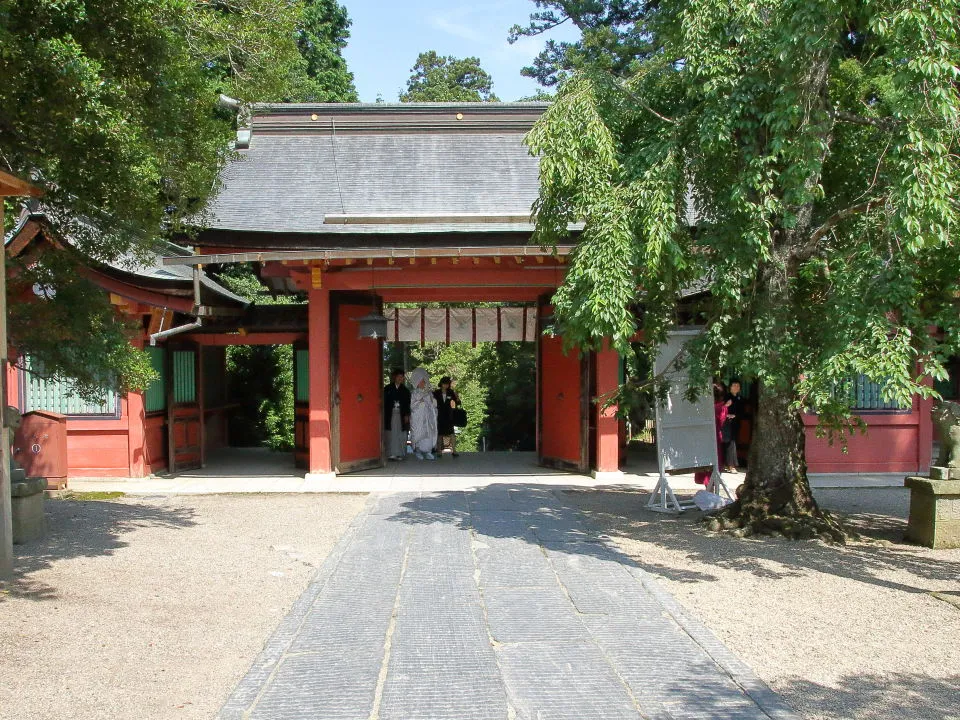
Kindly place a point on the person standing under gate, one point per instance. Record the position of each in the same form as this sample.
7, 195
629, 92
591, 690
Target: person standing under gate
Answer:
423, 415
396, 415
447, 402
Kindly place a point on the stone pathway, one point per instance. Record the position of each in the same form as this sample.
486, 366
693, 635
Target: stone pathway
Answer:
501, 603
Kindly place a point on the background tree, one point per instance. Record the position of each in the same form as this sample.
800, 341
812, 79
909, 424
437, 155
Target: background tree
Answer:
817, 140
322, 34
507, 372
611, 36
445, 78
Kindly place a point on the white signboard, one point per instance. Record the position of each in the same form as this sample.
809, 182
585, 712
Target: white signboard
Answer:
686, 431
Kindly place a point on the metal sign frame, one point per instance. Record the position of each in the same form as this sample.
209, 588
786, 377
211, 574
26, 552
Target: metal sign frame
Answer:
663, 499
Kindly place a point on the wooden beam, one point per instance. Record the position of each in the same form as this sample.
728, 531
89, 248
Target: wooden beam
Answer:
245, 338
12, 186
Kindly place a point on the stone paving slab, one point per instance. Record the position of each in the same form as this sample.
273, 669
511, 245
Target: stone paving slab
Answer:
498, 604
567, 681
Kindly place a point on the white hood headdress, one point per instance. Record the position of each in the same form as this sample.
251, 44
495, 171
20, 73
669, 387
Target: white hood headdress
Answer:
420, 374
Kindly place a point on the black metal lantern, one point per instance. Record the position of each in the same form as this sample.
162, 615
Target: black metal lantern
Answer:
373, 326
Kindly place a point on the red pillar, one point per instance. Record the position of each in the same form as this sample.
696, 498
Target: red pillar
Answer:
136, 435
321, 458
13, 383
136, 430
607, 364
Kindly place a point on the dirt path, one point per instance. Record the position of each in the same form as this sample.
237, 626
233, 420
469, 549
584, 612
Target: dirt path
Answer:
154, 607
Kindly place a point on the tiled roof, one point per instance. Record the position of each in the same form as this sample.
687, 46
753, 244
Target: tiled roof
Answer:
305, 162
151, 271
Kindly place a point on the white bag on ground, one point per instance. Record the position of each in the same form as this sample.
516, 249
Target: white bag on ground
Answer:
706, 500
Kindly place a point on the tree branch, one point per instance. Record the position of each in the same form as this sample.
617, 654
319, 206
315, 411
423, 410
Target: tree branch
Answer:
807, 251
637, 99
882, 123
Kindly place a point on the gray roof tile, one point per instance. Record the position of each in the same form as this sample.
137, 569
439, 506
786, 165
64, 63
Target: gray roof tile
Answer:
290, 182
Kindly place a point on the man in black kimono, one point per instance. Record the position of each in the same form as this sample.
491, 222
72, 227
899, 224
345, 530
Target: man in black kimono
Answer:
396, 415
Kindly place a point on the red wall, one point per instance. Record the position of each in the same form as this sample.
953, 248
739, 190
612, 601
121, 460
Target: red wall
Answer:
98, 448
894, 442
155, 446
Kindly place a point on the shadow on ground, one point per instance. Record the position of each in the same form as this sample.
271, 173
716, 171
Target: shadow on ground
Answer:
577, 520
878, 514
82, 528
870, 697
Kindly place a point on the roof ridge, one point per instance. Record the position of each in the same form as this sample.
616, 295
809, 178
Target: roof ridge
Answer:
482, 106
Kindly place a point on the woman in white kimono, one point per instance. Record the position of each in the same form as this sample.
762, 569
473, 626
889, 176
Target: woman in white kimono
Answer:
423, 415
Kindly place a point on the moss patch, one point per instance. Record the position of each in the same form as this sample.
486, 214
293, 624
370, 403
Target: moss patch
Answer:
93, 495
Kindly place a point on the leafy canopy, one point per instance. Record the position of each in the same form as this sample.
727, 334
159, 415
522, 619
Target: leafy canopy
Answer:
113, 109
445, 78
817, 140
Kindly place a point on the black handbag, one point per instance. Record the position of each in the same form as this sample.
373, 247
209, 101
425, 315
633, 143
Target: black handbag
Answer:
459, 417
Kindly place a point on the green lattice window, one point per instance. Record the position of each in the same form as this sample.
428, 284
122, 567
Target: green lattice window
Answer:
301, 381
184, 376
867, 395
58, 396
155, 399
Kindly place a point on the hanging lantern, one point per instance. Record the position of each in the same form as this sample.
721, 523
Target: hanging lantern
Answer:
373, 326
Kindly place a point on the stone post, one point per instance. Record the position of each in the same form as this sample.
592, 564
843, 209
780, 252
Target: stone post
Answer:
935, 500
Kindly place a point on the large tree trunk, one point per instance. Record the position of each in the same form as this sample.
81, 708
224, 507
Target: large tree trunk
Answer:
777, 469
775, 496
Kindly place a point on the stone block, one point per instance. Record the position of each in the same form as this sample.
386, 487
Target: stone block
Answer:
27, 510
934, 512
939, 473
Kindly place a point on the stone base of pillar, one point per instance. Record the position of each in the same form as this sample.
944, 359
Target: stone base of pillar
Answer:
318, 482
607, 476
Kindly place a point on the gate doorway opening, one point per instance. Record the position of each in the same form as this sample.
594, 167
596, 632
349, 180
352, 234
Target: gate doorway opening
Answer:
522, 389
494, 381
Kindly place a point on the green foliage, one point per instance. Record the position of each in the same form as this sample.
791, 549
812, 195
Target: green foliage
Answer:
508, 371
539, 96
277, 410
445, 78
817, 141
112, 108
322, 34
73, 331
611, 36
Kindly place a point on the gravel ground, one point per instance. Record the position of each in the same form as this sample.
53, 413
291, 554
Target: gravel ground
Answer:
155, 607
840, 632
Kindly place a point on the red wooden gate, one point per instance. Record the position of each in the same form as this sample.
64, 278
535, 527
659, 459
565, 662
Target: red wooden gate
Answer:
563, 402
356, 385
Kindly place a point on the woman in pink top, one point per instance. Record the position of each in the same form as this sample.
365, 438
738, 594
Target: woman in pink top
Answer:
720, 405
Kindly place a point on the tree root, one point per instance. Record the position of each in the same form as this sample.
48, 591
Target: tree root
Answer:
742, 520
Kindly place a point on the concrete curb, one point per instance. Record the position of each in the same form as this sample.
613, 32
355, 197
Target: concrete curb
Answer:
247, 691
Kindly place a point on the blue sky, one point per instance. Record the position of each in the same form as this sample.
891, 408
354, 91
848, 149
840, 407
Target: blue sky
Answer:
386, 37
